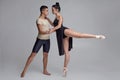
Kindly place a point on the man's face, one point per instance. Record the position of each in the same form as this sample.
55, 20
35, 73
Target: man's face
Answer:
45, 11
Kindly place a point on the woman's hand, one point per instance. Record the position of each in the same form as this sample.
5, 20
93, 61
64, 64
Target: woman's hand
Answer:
51, 30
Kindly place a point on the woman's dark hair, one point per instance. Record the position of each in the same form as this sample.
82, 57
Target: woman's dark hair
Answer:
42, 8
57, 6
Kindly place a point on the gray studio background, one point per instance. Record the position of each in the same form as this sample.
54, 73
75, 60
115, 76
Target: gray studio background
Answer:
91, 59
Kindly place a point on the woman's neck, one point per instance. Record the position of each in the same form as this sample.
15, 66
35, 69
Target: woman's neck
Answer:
57, 14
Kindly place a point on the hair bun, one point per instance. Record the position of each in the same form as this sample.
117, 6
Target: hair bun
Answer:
57, 3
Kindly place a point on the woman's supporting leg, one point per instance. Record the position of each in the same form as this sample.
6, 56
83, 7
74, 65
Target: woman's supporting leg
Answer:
67, 55
45, 61
71, 33
29, 60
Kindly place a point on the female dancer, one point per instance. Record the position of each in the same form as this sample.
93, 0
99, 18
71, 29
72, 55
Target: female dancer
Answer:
64, 36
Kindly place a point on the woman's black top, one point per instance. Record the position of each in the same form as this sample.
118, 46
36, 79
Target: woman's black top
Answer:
60, 36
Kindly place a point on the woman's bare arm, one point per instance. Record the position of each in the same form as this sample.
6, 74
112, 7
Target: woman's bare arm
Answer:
59, 24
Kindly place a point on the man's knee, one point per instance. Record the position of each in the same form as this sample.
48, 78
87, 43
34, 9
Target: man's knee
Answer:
45, 54
32, 55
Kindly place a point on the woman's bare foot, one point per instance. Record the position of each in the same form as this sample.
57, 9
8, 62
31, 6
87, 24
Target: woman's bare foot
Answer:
46, 73
22, 74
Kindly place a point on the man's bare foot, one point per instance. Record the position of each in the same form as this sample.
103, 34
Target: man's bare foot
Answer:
22, 74
46, 73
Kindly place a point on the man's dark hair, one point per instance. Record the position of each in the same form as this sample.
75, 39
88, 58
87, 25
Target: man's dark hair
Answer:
42, 8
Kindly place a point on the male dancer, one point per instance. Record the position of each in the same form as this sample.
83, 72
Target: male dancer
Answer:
43, 39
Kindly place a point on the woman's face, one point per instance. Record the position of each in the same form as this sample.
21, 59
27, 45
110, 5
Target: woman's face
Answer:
54, 11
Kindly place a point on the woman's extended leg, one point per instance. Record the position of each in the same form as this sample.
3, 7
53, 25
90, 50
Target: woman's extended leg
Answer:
29, 60
67, 55
71, 33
